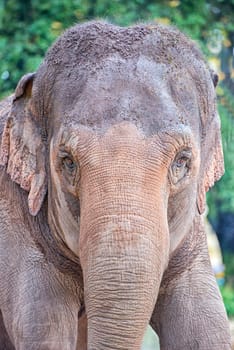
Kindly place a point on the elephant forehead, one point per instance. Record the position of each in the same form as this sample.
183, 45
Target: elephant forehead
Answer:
140, 91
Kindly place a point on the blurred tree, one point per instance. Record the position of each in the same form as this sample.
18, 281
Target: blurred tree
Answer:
27, 28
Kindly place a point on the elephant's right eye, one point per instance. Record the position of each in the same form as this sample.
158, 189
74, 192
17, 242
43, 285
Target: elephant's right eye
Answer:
66, 164
69, 164
69, 168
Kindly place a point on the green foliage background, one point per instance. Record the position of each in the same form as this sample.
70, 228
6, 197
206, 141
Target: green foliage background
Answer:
28, 27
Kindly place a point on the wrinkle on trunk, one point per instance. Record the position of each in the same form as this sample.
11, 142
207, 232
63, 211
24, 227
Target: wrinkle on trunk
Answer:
121, 281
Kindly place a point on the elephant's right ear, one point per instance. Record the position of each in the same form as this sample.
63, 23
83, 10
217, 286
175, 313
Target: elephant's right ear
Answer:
22, 148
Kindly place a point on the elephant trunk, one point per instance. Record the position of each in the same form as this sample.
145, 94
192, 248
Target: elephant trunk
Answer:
124, 238
123, 262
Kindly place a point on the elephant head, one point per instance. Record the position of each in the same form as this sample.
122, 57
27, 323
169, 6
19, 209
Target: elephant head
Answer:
120, 127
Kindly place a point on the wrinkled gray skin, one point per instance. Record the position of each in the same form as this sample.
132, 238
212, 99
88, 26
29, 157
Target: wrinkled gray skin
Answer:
107, 153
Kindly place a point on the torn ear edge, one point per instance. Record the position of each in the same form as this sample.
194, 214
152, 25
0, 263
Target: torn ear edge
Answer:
5, 143
24, 173
23, 88
214, 170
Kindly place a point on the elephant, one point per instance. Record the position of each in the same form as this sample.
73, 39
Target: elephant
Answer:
107, 152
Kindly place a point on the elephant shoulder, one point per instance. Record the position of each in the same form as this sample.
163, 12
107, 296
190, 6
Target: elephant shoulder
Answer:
5, 107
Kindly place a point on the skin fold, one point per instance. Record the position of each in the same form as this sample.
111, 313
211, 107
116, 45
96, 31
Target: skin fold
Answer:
107, 152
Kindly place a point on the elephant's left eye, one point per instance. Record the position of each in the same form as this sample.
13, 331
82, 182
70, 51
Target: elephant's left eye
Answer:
181, 162
181, 165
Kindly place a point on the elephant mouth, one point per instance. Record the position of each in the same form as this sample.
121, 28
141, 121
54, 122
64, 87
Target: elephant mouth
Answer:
82, 310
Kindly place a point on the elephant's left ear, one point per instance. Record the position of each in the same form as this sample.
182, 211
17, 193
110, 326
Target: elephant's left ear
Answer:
212, 163
22, 148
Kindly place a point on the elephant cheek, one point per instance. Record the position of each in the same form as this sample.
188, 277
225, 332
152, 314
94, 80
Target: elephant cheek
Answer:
63, 212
